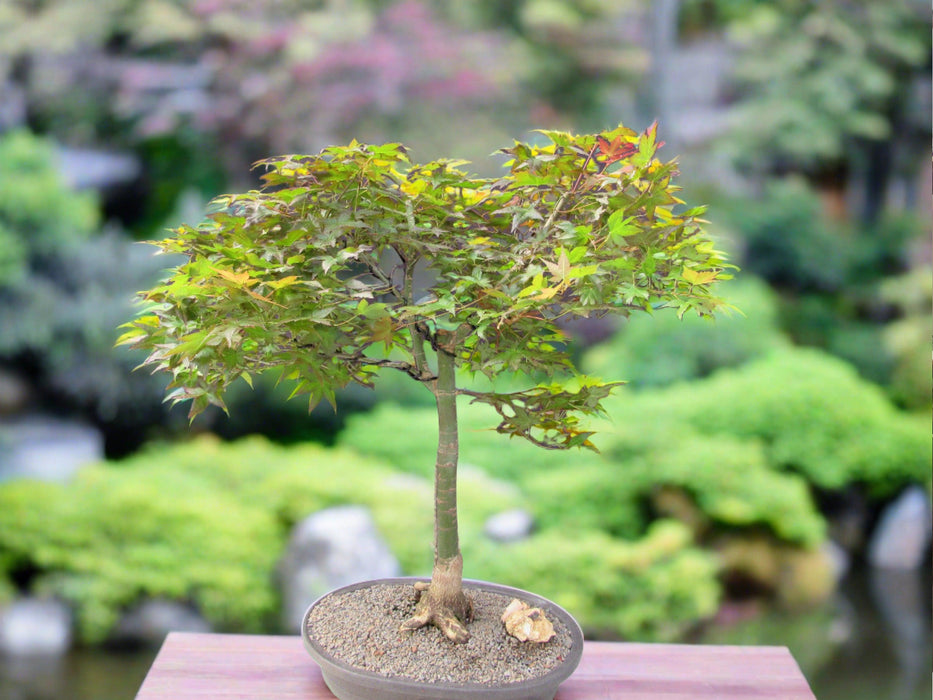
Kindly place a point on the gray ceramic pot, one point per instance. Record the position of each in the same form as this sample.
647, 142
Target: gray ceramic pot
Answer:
349, 683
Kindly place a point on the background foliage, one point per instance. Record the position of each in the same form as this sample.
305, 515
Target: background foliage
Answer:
125, 531
725, 459
64, 284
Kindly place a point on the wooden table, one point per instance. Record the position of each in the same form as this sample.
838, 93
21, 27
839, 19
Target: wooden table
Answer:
251, 667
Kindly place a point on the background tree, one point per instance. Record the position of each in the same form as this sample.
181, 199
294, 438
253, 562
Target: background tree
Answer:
833, 90
321, 275
179, 78
576, 50
64, 285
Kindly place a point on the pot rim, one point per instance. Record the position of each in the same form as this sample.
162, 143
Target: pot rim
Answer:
554, 677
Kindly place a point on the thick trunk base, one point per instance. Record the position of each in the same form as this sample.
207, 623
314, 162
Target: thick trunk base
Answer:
443, 603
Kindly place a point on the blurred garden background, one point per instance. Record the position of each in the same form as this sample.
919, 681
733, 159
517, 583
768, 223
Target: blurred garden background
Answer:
763, 479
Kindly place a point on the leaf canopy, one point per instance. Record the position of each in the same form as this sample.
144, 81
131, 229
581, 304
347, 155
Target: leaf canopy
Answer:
356, 258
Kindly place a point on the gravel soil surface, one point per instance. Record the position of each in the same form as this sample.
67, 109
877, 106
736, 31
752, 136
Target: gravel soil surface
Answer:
361, 629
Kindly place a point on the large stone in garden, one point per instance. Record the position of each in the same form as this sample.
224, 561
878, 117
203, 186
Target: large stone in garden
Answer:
40, 447
510, 525
13, 107
901, 539
35, 627
151, 620
86, 168
331, 548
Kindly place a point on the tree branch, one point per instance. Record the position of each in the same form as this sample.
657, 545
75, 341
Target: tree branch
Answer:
405, 367
380, 274
417, 350
573, 188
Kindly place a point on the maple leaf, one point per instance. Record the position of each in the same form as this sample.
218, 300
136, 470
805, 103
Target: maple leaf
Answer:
617, 150
561, 268
241, 279
384, 330
699, 276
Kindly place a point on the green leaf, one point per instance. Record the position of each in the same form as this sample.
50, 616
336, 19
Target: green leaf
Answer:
622, 226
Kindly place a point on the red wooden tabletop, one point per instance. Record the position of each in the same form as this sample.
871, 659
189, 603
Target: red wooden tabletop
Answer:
252, 667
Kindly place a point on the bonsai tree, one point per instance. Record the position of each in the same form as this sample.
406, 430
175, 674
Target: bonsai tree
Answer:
354, 260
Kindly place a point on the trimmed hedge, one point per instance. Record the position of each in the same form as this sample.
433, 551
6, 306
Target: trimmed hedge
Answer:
663, 349
206, 522
406, 438
728, 481
654, 589
812, 414
115, 535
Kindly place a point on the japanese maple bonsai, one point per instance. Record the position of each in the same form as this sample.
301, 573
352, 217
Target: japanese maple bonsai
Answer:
317, 275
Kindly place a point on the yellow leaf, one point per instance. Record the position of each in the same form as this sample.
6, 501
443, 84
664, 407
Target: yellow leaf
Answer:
546, 293
527, 292
561, 268
238, 278
699, 277
129, 337
284, 282
414, 188
482, 240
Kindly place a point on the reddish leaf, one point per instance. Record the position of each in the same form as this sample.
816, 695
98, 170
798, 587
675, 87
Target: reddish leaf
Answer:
617, 150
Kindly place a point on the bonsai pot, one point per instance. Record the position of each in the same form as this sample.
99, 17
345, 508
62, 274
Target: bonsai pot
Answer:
348, 682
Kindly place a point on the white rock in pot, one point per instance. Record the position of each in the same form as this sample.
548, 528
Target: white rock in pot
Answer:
525, 623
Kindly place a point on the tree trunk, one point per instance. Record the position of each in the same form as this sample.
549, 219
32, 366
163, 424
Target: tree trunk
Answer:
446, 536
443, 602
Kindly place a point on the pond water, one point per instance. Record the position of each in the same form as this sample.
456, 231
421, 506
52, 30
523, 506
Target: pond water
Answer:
872, 642
82, 675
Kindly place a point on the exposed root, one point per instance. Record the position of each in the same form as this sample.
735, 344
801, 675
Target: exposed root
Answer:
449, 611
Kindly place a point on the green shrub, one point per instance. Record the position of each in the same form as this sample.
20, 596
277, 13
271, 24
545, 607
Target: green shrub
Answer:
908, 338
115, 535
827, 322
791, 242
787, 240
406, 438
652, 589
206, 522
728, 480
832, 276
812, 414
664, 349
35, 204
289, 483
